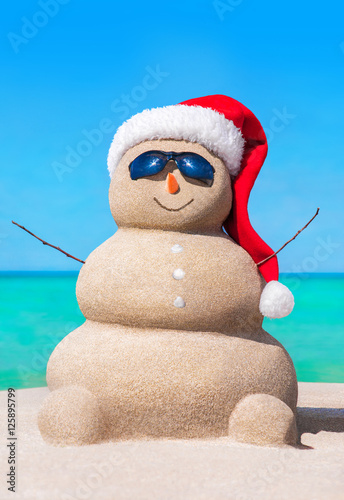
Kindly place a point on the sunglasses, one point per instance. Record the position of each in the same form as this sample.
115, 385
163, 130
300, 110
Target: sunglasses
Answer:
190, 164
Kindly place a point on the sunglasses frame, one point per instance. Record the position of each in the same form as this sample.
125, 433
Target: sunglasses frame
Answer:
207, 177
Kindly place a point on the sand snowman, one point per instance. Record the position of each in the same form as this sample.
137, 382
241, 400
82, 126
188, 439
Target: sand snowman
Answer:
173, 345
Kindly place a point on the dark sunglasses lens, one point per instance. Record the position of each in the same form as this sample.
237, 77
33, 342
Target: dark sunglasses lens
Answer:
195, 166
149, 163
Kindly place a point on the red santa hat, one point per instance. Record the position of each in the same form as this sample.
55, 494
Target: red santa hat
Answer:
231, 131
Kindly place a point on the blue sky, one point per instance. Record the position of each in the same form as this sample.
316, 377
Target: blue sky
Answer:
86, 67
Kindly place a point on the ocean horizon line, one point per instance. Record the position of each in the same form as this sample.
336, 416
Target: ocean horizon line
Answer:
53, 272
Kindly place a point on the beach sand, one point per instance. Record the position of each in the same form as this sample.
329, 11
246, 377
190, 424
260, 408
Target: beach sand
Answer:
181, 469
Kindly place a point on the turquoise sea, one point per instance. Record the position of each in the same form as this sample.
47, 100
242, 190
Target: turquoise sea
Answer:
38, 309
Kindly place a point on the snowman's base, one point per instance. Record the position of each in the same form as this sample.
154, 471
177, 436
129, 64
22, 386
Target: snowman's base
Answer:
72, 415
155, 383
191, 469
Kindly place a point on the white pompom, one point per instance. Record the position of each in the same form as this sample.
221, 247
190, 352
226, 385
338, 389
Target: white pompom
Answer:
276, 300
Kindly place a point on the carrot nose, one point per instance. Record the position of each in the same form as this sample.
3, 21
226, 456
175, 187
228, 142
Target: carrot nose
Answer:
172, 185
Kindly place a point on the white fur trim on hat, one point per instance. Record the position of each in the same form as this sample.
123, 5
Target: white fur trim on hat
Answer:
276, 300
191, 123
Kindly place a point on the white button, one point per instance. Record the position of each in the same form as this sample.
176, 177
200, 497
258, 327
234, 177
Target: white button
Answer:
178, 274
176, 249
179, 302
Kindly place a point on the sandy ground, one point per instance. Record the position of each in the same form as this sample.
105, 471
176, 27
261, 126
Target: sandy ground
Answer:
178, 469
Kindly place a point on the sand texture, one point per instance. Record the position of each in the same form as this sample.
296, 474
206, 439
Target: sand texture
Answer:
193, 469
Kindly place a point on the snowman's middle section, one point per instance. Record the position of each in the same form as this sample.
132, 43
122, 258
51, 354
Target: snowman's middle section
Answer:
168, 279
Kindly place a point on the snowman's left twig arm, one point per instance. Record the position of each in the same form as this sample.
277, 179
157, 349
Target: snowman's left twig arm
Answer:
291, 239
276, 300
49, 245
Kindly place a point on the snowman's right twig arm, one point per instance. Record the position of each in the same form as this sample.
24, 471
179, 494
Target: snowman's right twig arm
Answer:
291, 239
46, 243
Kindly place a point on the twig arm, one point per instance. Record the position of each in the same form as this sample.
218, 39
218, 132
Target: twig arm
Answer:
83, 262
291, 239
46, 243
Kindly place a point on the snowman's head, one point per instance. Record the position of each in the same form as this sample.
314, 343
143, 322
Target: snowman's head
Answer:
172, 185
222, 131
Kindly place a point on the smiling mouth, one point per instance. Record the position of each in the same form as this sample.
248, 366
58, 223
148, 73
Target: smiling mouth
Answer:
173, 209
